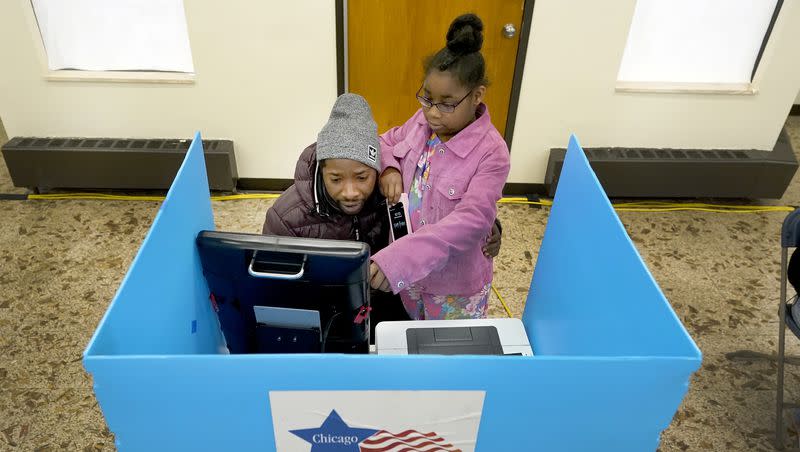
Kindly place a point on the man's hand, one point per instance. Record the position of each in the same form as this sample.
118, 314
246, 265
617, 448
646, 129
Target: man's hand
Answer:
492, 247
391, 185
377, 280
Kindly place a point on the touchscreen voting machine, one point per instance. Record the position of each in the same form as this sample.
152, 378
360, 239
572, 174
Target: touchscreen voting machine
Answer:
288, 294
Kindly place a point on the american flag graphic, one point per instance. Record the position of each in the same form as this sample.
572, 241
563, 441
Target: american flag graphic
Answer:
406, 441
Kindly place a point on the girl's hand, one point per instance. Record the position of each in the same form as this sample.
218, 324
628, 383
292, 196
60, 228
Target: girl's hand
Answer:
391, 185
377, 280
492, 247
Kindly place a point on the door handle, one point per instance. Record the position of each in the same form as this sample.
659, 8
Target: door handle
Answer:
509, 30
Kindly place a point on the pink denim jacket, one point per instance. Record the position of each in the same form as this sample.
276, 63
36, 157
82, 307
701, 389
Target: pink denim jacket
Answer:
444, 256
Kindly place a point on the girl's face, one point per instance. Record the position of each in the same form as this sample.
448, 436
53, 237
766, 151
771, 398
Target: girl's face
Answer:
442, 87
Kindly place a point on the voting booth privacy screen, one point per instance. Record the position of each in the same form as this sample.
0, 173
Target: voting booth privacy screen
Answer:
611, 360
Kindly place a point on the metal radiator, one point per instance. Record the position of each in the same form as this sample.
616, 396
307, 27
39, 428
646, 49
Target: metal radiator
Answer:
683, 173
112, 163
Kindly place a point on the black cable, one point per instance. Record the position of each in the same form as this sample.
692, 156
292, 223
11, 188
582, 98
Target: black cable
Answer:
13, 197
327, 330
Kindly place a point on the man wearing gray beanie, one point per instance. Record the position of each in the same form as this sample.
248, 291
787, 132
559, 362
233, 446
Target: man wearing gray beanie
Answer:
335, 194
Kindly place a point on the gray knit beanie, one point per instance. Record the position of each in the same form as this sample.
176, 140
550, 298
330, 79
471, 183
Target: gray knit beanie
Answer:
350, 133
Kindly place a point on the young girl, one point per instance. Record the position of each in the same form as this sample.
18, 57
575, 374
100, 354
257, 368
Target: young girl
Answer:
453, 164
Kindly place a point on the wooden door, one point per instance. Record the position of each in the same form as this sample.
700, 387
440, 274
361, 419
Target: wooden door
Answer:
387, 41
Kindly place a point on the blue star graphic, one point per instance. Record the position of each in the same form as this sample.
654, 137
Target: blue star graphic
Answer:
334, 435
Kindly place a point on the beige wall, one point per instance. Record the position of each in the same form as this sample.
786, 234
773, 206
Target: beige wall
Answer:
266, 78
568, 86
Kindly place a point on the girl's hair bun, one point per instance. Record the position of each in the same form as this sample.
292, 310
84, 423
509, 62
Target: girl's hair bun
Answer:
462, 55
465, 35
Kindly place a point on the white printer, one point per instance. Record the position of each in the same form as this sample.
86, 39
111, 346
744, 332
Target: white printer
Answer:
453, 337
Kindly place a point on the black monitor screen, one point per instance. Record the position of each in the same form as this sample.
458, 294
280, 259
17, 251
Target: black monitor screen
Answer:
249, 273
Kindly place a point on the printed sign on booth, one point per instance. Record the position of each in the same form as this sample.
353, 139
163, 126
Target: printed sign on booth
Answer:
367, 421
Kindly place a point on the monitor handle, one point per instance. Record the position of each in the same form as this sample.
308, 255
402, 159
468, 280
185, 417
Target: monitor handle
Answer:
268, 275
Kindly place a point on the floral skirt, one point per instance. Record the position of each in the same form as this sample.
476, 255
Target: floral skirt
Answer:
425, 306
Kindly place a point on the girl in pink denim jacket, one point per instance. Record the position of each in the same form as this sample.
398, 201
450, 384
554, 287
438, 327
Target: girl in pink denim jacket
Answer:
453, 164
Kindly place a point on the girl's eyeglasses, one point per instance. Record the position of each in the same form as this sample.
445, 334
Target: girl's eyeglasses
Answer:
442, 106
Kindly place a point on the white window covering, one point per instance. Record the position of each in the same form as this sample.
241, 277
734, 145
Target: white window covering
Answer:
115, 35
695, 41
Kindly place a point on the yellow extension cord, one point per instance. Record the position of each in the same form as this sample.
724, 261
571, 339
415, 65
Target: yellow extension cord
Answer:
107, 197
503, 302
636, 206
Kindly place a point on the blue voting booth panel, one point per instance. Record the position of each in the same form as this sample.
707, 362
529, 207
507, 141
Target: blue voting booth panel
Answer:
591, 293
160, 307
603, 378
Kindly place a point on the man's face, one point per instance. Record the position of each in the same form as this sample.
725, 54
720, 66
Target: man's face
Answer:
349, 183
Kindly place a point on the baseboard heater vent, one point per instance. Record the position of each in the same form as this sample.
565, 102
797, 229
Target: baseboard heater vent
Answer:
112, 163
682, 173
